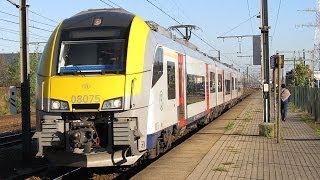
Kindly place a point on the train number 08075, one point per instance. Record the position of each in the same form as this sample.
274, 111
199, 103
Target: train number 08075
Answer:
85, 99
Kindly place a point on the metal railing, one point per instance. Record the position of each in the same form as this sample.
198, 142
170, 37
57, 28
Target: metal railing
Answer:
307, 99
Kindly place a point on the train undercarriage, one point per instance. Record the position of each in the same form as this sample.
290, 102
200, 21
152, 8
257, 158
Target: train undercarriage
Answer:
88, 139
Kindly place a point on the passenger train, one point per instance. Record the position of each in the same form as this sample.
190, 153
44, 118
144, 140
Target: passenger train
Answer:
113, 89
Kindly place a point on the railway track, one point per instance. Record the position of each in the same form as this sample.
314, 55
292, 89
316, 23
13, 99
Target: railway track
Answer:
12, 139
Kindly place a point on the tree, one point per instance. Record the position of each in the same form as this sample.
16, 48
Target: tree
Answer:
4, 67
14, 77
302, 75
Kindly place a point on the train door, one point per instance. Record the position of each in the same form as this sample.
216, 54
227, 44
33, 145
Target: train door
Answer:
220, 94
181, 86
170, 95
171, 105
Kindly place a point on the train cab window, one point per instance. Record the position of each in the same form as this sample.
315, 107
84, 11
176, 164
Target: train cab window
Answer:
227, 85
92, 56
232, 83
157, 66
171, 80
219, 82
212, 82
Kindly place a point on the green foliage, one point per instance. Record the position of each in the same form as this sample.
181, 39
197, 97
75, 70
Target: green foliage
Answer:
229, 126
14, 72
292, 107
221, 169
302, 75
13, 75
34, 58
4, 67
318, 132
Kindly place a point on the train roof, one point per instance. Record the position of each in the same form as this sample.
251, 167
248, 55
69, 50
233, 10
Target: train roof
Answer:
121, 18
166, 38
109, 17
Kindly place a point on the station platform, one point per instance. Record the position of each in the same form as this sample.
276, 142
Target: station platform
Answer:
230, 148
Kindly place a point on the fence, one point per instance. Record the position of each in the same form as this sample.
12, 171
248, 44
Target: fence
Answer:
307, 99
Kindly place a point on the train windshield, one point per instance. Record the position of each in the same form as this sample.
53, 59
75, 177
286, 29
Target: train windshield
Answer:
92, 56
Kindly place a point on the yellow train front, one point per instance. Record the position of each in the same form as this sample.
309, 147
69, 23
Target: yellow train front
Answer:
93, 67
112, 89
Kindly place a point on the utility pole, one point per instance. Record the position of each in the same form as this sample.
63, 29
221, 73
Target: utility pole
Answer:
265, 59
25, 82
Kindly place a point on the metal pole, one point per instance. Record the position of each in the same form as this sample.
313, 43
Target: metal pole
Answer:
25, 83
265, 58
274, 93
280, 60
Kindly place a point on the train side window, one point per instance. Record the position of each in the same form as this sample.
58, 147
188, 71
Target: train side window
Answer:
171, 80
219, 82
235, 83
232, 83
157, 66
228, 88
212, 82
195, 88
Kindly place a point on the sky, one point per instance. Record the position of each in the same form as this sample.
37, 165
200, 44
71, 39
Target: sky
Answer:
213, 17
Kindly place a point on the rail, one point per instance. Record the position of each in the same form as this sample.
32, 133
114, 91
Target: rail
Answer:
11, 139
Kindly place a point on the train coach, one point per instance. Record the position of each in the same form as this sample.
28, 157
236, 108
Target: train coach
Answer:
112, 89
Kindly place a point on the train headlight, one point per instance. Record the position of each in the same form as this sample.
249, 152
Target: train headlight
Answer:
59, 105
112, 104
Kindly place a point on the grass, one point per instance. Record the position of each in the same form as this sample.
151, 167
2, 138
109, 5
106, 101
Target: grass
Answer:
222, 169
229, 126
227, 163
247, 116
308, 119
293, 108
318, 132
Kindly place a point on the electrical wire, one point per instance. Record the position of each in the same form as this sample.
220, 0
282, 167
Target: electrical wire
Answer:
164, 12
106, 3
11, 40
249, 15
114, 3
275, 26
42, 16
34, 27
29, 19
204, 41
15, 31
239, 25
18, 33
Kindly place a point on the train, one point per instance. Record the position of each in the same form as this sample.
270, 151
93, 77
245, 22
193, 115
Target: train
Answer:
113, 89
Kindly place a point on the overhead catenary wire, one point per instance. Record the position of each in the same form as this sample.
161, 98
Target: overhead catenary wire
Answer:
106, 3
204, 41
18, 32
239, 25
11, 40
180, 24
34, 27
114, 3
29, 19
249, 15
42, 16
275, 26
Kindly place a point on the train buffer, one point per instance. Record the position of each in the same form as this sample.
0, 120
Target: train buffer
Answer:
230, 148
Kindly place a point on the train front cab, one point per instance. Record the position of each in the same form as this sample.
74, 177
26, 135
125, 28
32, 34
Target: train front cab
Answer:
87, 108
